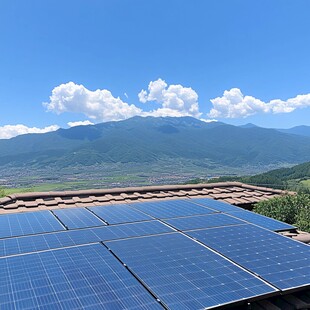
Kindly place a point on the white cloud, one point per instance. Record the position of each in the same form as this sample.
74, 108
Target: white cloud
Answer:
80, 123
233, 104
10, 131
175, 100
99, 105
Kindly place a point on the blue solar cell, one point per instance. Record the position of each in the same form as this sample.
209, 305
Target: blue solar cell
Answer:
184, 274
261, 220
117, 214
28, 223
217, 205
78, 277
78, 218
203, 221
27, 244
171, 208
280, 260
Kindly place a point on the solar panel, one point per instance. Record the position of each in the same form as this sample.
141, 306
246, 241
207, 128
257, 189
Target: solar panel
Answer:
77, 218
171, 208
117, 214
261, 220
215, 204
184, 274
280, 260
73, 278
28, 223
27, 244
203, 221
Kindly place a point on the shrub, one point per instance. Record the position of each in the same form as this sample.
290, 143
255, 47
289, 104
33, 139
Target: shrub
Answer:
292, 209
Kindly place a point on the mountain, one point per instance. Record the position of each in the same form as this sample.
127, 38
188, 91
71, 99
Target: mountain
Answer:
248, 125
298, 130
149, 139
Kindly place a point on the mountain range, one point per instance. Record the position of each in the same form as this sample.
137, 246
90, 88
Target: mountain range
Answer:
149, 139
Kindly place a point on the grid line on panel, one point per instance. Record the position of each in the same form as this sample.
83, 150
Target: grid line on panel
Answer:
29, 223
203, 221
171, 208
117, 214
281, 261
77, 218
261, 220
41, 242
219, 206
185, 274
77, 277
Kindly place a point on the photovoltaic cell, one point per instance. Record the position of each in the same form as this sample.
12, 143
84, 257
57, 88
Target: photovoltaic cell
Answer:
217, 205
74, 278
27, 244
280, 260
117, 214
28, 223
261, 220
77, 218
203, 221
171, 208
184, 274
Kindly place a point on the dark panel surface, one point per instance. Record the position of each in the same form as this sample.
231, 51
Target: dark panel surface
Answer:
215, 204
72, 278
77, 218
203, 221
21, 224
171, 208
280, 260
184, 274
27, 244
117, 214
261, 220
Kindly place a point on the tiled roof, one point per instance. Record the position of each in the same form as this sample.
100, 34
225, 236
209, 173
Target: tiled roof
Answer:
231, 192
236, 193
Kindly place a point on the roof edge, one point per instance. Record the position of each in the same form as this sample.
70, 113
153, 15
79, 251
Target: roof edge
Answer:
143, 189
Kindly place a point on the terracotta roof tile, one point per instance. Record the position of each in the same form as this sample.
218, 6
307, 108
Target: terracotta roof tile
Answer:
231, 192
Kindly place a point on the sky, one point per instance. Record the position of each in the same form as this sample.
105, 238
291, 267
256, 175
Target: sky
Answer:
74, 62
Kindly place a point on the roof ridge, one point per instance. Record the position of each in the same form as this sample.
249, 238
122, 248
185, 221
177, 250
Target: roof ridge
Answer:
220, 190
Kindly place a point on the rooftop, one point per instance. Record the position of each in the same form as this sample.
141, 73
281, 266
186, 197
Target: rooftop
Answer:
235, 193
161, 247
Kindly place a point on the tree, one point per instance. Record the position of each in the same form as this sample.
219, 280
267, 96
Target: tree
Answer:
292, 209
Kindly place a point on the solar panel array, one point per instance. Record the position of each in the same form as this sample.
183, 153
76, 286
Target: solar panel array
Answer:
279, 260
183, 274
175, 254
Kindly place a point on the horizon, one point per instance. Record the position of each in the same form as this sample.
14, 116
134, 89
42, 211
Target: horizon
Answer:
99, 62
13, 130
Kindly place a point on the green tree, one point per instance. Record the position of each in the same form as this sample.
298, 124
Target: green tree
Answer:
292, 209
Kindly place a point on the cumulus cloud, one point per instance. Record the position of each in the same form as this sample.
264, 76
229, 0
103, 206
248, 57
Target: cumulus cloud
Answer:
10, 131
233, 104
80, 123
99, 105
174, 100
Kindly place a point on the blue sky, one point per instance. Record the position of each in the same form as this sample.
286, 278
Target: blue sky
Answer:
67, 61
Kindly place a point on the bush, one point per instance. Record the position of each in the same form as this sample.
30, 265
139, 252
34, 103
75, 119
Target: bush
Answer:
292, 209
2, 192
303, 218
